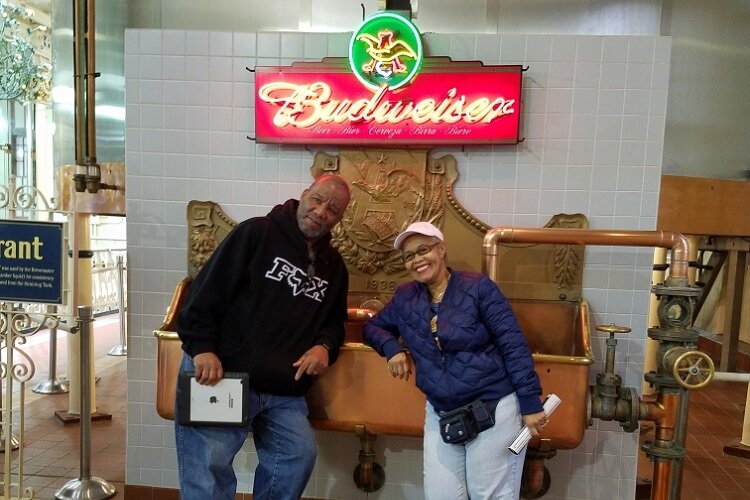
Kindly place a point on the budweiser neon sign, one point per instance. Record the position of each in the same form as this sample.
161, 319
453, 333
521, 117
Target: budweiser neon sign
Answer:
379, 97
305, 106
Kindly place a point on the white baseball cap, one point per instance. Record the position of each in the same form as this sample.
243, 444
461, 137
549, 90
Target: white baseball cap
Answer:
423, 228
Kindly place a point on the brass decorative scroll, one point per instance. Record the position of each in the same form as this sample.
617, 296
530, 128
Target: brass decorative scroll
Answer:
207, 226
391, 188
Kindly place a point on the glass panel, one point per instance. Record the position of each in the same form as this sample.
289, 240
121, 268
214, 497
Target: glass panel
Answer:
5, 158
26, 125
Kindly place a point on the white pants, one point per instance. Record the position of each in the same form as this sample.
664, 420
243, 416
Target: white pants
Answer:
480, 469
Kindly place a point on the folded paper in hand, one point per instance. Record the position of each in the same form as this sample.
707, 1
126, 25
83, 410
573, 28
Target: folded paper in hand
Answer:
523, 437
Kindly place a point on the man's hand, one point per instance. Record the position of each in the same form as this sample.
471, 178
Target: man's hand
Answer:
208, 369
313, 362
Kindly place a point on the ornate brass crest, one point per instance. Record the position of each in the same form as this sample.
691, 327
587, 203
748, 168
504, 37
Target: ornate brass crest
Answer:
390, 190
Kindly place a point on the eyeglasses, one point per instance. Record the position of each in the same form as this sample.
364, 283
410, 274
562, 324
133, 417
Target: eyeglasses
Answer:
420, 250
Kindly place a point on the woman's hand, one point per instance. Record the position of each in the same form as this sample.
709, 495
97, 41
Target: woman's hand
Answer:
399, 366
535, 422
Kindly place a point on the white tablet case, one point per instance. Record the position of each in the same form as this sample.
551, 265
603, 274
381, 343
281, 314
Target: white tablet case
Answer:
222, 404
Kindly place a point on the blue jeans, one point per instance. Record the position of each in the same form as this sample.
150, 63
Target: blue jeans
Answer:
284, 441
481, 469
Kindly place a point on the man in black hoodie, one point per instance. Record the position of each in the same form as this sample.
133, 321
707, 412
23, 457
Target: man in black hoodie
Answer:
270, 302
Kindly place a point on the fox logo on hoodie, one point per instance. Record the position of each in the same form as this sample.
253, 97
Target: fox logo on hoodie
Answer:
297, 279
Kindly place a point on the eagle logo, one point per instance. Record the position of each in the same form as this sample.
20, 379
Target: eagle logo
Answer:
386, 54
386, 51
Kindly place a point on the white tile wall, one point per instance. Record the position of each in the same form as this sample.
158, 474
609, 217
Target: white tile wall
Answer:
593, 129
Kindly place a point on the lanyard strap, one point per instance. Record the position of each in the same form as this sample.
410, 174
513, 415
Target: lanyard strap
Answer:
433, 324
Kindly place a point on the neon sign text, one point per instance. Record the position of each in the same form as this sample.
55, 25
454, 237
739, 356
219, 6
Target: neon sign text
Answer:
305, 105
448, 103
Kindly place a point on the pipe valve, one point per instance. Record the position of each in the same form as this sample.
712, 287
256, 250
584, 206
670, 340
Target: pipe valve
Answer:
368, 474
610, 400
88, 178
690, 369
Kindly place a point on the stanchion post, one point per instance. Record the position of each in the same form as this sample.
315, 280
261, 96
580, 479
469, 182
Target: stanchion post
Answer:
52, 385
90, 488
122, 349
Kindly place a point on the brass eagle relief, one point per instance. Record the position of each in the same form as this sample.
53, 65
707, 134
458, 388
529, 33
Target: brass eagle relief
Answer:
390, 190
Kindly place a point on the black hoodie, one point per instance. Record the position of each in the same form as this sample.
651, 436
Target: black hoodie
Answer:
254, 305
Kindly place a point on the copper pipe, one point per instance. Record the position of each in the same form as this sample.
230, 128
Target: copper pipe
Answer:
660, 484
88, 172
678, 275
675, 486
79, 52
90, 81
84, 59
533, 476
367, 472
665, 427
651, 410
665, 411
359, 313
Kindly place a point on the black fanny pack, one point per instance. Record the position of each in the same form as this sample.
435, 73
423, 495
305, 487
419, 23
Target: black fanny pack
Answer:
465, 422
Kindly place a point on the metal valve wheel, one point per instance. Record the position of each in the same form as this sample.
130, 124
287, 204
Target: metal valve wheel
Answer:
693, 370
612, 328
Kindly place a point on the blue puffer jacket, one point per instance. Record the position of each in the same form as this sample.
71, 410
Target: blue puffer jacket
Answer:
482, 353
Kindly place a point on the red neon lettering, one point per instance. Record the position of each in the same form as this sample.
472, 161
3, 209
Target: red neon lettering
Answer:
306, 105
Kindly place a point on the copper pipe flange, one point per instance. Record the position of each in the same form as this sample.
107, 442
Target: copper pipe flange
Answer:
629, 409
676, 291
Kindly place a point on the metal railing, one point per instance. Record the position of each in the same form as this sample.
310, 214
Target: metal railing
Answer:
16, 327
106, 281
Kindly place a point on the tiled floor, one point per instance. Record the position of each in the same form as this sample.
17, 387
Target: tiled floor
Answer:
715, 419
52, 452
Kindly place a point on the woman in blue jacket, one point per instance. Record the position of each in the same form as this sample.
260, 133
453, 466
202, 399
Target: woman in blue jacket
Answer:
469, 354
